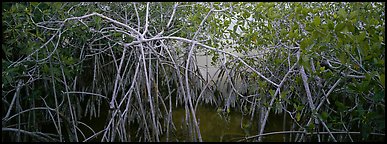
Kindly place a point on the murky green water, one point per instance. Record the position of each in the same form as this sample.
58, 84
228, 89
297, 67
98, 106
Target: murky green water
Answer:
214, 126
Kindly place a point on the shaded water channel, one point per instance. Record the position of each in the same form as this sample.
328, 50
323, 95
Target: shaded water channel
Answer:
214, 126
217, 127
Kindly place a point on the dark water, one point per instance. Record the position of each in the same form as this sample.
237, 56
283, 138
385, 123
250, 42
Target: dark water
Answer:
215, 127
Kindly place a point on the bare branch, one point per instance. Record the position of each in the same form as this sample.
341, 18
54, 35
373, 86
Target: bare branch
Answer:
146, 20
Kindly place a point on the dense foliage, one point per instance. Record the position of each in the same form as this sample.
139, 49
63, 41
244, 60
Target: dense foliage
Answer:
321, 64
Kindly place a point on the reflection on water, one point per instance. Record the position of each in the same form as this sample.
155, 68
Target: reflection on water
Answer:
215, 127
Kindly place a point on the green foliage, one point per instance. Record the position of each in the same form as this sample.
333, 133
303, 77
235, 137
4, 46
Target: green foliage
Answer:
41, 49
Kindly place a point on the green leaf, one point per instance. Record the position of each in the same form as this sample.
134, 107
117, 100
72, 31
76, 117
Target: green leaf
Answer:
340, 106
339, 27
298, 116
342, 13
227, 23
361, 36
305, 43
330, 24
300, 107
365, 131
343, 58
317, 21
309, 28
278, 107
69, 60
310, 127
272, 92
34, 3
350, 27
7, 50
98, 22
353, 14
324, 115
8, 79
322, 69
246, 14
381, 78
262, 84
352, 86
45, 69
305, 62
283, 94
379, 96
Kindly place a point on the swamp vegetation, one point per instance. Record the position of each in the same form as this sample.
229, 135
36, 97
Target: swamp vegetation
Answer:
104, 71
